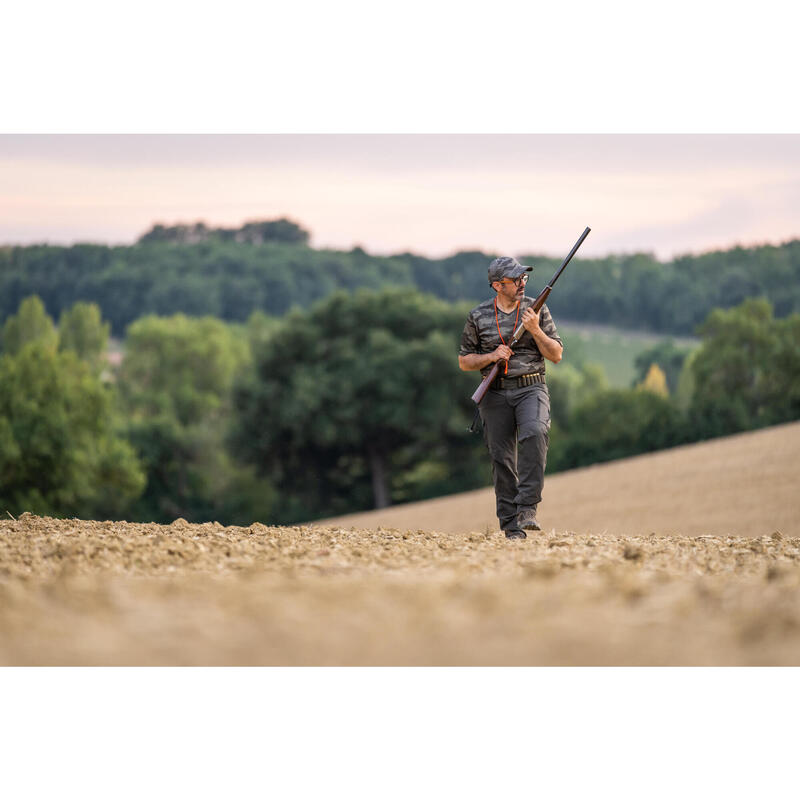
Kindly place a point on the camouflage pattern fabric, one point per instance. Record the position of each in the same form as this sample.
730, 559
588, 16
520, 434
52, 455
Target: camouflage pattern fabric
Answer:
480, 336
506, 267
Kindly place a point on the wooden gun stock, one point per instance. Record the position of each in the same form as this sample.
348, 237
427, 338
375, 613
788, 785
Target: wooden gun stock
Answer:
537, 306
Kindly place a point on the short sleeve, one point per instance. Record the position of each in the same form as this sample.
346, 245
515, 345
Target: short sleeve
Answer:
548, 326
469, 338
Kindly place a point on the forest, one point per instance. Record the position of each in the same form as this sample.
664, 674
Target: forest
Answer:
269, 266
263, 379
352, 402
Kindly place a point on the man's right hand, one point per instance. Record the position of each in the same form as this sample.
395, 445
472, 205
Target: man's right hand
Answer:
502, 353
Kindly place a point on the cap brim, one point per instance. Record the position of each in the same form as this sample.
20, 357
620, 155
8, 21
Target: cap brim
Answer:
517, 271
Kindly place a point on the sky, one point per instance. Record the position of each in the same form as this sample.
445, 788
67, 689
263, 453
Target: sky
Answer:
432, 194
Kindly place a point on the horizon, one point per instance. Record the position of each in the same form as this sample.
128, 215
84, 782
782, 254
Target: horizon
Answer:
429, 194
311, 244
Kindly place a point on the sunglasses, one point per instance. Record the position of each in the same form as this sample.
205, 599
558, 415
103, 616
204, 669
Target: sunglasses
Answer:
521, 281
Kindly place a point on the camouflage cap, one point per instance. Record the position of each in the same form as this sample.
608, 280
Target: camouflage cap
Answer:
506, 267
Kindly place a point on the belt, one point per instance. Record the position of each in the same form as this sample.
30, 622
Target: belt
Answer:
520, 380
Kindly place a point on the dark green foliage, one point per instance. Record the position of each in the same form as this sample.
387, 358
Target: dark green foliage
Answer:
217, 278
257, 232
268, 266
782, 382
351, 402
673, 297
747, 374
616, 423
359, 401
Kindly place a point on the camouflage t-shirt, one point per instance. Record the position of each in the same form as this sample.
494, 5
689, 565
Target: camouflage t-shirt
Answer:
480, 336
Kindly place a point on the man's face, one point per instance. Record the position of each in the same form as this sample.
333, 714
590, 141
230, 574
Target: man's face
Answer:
512, 289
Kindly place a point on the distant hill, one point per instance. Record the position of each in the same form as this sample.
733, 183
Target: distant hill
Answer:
268, 265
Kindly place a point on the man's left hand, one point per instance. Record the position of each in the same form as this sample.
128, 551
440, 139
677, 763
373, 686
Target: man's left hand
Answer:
530, 319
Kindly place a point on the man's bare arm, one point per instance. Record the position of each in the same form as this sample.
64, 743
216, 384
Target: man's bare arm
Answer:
548, 347
481, 360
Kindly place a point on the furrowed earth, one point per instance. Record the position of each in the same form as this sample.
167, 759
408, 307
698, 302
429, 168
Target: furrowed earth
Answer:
621, 574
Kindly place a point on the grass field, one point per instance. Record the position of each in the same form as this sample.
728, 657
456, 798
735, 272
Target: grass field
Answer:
613, 348
689, 556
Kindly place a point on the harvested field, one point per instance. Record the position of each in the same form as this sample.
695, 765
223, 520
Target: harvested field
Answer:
743, 485
82, 592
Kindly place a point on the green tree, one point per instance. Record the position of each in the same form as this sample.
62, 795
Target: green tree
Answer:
620, 422
259, 328
277, 230
570, 386
61, 452
255, 232
179, 366
81, 330
31, 323
175, 386
782, 380
730, 369
747, 372
358, 401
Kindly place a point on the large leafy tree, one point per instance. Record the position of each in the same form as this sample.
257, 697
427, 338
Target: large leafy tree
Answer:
358, 401
782, 384
175, 386
61, 452
179, 366
747, 372
61, 449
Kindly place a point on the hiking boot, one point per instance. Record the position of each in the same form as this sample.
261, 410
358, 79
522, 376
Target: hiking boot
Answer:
515, 533
527, 518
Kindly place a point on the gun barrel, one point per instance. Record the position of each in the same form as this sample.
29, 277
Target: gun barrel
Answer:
569, 255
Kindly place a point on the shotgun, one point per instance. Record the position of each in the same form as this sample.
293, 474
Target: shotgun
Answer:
537, 306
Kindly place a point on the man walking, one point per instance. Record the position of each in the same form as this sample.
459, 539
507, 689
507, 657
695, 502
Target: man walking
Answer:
517, 406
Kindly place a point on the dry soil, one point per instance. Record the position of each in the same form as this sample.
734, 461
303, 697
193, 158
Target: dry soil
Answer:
620, 575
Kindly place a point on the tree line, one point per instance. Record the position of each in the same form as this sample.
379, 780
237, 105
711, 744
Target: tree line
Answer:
352, 403
269, 266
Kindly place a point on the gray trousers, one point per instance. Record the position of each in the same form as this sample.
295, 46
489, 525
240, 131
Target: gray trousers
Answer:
510, 416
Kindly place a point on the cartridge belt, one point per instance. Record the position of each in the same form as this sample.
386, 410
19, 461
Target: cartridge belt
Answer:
517, 382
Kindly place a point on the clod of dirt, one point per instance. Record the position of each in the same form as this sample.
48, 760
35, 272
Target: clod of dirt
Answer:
632, 553
775, 572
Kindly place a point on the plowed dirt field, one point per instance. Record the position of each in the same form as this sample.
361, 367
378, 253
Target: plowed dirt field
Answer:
633, 589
